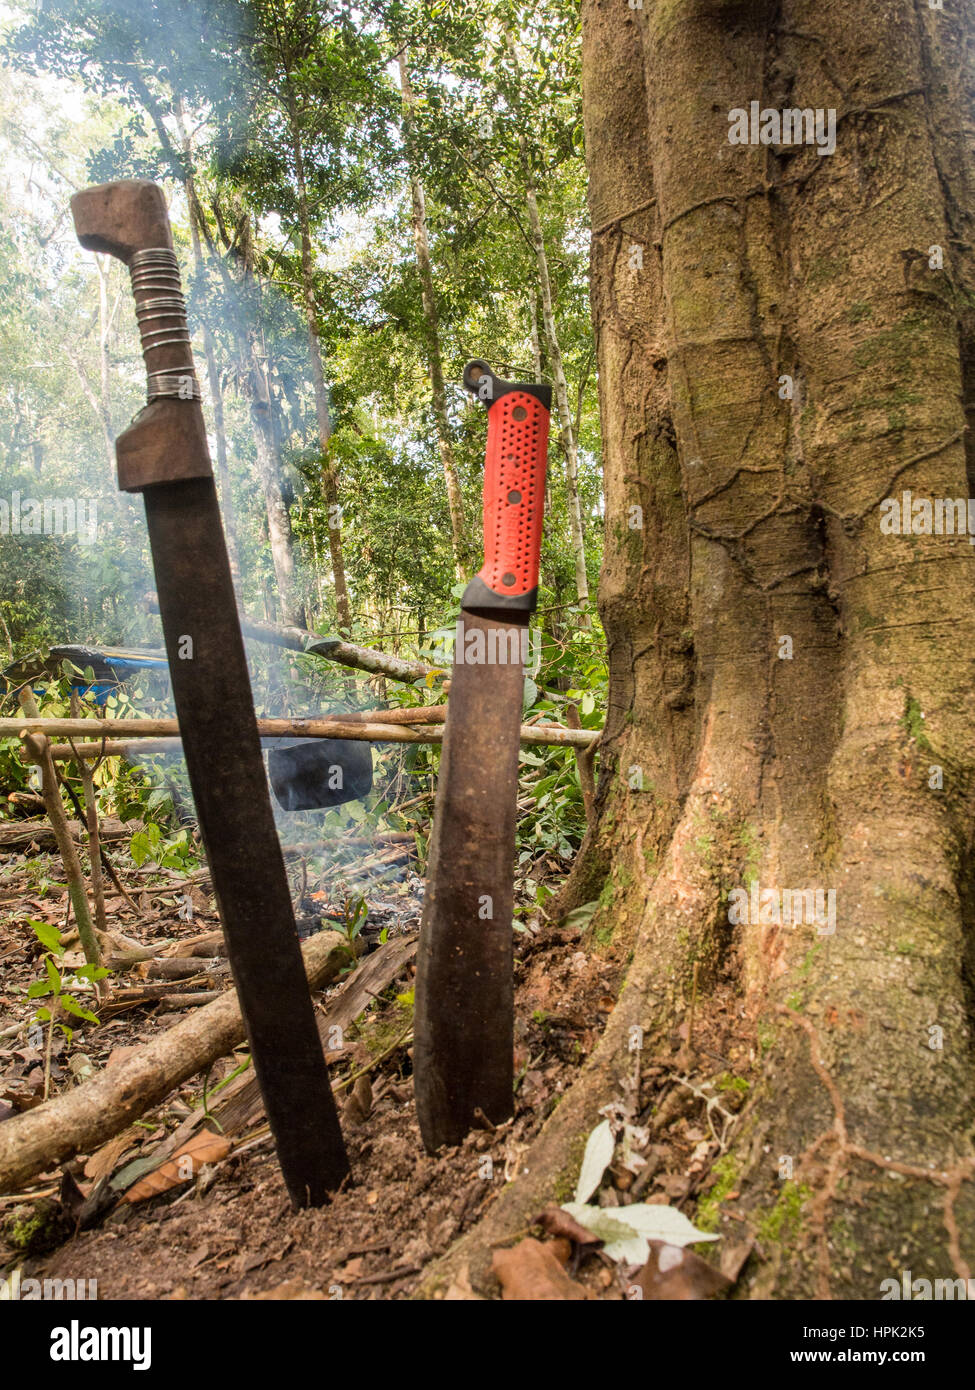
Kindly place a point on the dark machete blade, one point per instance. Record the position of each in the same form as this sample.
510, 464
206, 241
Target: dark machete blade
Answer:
213, 699
164, 455
464, 1014
464, 1017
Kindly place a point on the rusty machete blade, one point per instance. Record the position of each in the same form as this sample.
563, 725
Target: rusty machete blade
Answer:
464, 1018
164, 456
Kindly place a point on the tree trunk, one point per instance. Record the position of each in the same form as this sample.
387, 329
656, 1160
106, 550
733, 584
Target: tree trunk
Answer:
280, 535
197, 229
843, 758
254, 371
567, 428
330, 487
455, 498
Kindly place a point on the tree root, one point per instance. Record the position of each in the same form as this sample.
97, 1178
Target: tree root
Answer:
843, 1150
681, 907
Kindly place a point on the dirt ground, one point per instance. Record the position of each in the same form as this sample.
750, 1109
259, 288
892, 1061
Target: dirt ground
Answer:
228, 1232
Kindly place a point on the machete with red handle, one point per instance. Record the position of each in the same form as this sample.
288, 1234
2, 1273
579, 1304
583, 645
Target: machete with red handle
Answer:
464, 1018
164, 455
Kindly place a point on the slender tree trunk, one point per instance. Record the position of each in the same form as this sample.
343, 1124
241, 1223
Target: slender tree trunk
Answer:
250, 352
104, 366
790, 683
96, 402
280, 535
455, 498
330, 486
567, 429
197, 226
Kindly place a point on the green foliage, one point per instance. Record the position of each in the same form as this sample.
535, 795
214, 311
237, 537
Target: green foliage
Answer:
61, 988
288, 119
172, 852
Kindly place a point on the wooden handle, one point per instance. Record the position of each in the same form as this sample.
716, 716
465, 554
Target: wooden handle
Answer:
118, 219
167, 441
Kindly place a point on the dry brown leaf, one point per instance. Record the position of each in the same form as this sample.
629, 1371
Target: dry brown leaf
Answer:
119, 1054
531, 1271
460, 1290
293, 1290
359, 1102
181, 1167
556, 1222
733, 1258
676, 1274
104, 1160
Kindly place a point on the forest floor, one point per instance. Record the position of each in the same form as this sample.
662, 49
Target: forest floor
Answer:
229, 1230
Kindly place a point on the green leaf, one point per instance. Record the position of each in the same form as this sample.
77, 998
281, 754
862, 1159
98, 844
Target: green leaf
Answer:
48, 935
38, 989
139, 847
581, 916
53, 976
70, 1004
43, 1014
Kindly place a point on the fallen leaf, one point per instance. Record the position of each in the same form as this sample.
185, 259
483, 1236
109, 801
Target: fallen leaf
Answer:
629, 1230
460, 1290
103, 1160
733, 1258
555, 1221
181, 1167
595, 1160
293, 1290
672, 1273
530, 1271
119, 1054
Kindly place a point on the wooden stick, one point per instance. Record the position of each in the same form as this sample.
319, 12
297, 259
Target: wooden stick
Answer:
94, 839
536, 735
21, 833
38, 751
299, 639
84, 1117
587, 782
240, 1104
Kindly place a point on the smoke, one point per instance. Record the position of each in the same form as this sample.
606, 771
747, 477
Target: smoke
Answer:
146, 81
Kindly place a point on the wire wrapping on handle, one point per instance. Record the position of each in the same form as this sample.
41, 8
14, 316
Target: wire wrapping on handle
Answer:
159, 299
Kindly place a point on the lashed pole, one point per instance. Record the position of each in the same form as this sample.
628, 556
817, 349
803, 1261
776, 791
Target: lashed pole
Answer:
164, 455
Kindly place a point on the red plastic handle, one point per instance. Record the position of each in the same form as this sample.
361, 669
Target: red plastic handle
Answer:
514, 493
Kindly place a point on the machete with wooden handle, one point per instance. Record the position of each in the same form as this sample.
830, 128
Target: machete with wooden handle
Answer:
164, 455
464, 1019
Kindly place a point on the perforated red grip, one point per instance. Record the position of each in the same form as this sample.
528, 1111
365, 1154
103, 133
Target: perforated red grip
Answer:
514, 494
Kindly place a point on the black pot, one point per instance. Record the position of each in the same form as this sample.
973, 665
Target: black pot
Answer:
311, 774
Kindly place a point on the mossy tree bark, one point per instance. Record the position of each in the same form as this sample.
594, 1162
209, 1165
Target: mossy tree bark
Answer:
730, 754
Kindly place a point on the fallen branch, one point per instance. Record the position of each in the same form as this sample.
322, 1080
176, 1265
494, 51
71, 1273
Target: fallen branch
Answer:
23, 833
299, 639
541, 735
94, 837
84, 1117
240, 1104
38, 750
